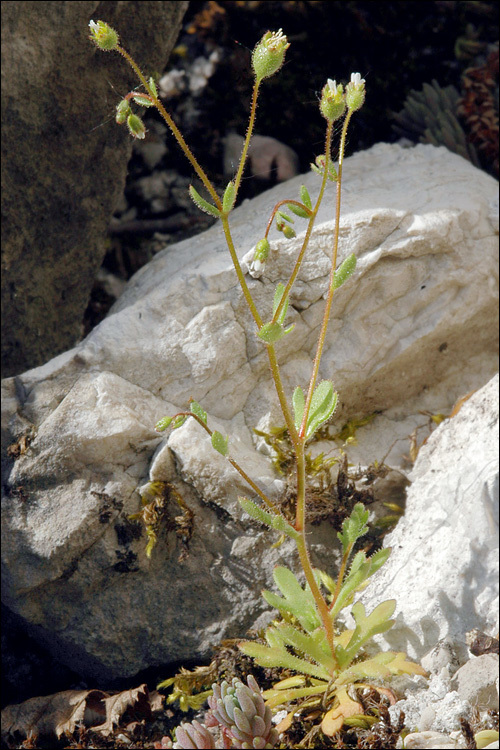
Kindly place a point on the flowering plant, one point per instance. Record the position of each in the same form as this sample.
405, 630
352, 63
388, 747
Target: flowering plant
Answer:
307, 639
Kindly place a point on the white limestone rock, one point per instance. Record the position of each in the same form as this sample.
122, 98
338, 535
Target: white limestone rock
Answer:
443, 570
414, 329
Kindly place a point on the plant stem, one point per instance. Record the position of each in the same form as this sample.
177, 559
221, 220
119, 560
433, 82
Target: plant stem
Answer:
173, 127
251, 122
329, 299
310, 226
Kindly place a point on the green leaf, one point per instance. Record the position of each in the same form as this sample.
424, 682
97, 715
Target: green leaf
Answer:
163, 423
323, 405
298, 210
354, 527
276, 655
198, 411
298, 602
298, 402
270, 519
202, 204
285, 216
305, 197
142, 100
278, 294
366, 627
220, 443
344, 271
229, 197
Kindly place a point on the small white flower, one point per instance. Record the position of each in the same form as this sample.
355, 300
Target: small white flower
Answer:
356, 80
93, 26
332, 85
256, 266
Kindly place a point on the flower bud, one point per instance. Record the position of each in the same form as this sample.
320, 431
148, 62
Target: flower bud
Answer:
355, 92
289, 232
269, 54
103, 35
260, 256
136, 127
332, 104
122, 111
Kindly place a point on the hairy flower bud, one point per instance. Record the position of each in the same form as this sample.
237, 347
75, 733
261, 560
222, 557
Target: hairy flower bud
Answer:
260, 256
136, 127
332, 104
269, 54
122, 111
103, 35
355, 92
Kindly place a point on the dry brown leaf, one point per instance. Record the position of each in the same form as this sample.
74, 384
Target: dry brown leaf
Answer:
51, 714
60, 713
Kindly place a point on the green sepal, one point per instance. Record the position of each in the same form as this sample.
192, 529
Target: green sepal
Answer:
179, 421
285, 216
202, 204
162, 424
278, 523
152, 86
229, 197
323, 405
344, 271
142, 100
198, 411
305, 197
298, 403
220, 443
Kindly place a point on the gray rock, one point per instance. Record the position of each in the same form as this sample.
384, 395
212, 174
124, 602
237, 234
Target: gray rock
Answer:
64, 160
476, 680
413, 330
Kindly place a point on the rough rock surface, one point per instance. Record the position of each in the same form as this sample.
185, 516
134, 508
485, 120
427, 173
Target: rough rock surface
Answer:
62, 173
444, 564
414, 329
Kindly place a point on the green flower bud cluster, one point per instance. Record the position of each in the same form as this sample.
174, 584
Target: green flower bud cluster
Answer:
355, 92
282, 226
242, 711
334, 100
269, 54
103, 35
